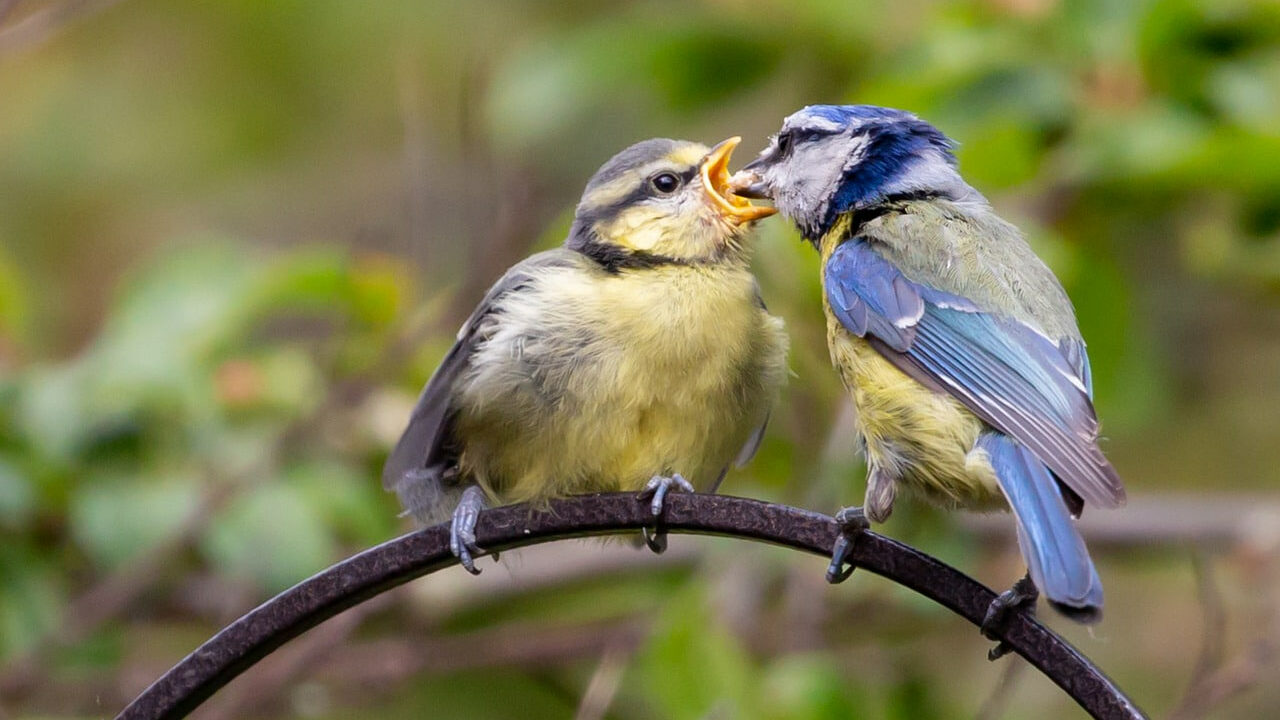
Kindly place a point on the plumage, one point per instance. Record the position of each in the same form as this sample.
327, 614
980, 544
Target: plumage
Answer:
957, 344
1003, 370
639, 349
1055, 552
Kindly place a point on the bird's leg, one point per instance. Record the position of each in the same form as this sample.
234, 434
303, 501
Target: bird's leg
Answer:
881, 490
853, 522
462, 531
1023, 596
656, 492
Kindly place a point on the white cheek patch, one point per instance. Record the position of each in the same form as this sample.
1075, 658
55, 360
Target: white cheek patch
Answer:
812, 175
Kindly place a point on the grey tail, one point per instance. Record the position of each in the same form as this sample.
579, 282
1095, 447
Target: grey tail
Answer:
1056, 556
427, 495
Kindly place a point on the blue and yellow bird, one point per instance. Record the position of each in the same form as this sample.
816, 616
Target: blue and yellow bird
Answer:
957, 343
636, 355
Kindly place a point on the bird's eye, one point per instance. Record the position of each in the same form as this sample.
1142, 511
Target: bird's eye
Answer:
665, 183
784, 143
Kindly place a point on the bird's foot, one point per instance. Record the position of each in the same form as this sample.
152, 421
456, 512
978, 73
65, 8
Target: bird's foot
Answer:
853, 522
462, 531
1022, 596
656, 492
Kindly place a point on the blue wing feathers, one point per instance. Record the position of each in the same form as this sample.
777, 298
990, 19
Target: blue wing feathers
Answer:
1030, 387
871, 296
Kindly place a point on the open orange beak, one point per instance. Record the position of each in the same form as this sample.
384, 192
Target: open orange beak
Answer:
715, 181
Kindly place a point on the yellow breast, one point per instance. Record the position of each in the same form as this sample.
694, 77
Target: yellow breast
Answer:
662, 370
922, 437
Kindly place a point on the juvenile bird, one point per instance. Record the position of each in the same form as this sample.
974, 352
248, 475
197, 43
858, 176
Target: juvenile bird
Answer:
958, 345
635, 356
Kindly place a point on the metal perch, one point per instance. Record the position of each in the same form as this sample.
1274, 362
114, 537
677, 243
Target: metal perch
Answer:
352, 581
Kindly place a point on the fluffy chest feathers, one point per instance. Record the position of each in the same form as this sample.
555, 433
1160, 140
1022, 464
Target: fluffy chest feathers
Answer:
691, 321
592, 381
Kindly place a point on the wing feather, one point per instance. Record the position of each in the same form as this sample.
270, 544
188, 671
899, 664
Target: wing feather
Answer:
1006, 372
421, 467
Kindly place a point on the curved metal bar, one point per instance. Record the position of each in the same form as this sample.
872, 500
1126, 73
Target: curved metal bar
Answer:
284, 617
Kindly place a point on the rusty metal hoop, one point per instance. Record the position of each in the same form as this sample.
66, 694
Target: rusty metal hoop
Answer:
378, 569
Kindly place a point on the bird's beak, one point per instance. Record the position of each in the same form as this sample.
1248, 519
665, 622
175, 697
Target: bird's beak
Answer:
715, 181
747, 183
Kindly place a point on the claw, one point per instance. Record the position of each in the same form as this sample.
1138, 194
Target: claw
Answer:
1022, 596
462, 535
655, 540
656, 492
853, 522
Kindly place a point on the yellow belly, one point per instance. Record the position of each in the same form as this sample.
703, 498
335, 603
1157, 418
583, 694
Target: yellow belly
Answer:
668, 372
923, 438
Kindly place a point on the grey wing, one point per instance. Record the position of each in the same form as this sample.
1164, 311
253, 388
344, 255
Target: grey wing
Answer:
422, 469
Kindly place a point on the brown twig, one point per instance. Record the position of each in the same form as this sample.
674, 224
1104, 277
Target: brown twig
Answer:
1165, 519
285, 666
43, 24
386, 662
998, 701
1212, 648
6, 7
1214, 681
114, 594
605, 681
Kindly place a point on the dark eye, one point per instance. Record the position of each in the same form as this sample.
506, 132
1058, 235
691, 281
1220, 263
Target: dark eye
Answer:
665, 183
784, 143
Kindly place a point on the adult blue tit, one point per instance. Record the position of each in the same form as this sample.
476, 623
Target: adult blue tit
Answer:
957, 343
636, 357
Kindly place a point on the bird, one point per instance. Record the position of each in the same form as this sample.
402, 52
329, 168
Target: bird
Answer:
637, 356
958, 346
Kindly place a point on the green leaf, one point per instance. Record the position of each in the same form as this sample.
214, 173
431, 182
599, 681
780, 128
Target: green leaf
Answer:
692, 666
17, 498
272, 536
115, 519
30, 602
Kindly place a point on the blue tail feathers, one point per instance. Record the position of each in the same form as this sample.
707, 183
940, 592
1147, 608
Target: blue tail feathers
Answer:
1055, 553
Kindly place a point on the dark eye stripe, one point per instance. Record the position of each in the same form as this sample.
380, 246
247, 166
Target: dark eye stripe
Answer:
642, 191
809, 134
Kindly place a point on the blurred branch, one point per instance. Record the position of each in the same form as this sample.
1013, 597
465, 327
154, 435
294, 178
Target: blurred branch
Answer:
1203, 521
43, 24
288, 665
113, 595
6, 7
1214, 679
532, 645
998, 701
374, 571
1212, 647
604, 682
416, 165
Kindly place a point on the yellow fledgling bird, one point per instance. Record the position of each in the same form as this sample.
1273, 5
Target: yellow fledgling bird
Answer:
636, 355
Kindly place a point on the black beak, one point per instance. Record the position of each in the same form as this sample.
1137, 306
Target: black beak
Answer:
747, 183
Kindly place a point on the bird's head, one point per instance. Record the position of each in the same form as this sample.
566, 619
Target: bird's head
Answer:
828, 160
663, 201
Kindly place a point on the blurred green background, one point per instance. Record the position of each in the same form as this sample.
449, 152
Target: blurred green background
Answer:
236, 238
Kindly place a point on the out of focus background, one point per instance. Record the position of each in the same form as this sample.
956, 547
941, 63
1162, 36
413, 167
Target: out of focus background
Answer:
237, 237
